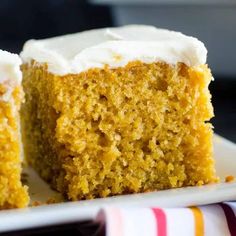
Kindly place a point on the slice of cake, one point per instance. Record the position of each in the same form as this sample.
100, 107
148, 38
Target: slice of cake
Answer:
12, 192
117, 111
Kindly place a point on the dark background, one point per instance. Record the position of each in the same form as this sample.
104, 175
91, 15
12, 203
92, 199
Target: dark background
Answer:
23, 20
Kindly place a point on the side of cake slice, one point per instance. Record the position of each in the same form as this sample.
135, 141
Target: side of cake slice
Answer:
12, 192
117, 111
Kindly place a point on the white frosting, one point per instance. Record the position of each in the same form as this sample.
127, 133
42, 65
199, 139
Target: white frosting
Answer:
115, 47
10, 73
10, 67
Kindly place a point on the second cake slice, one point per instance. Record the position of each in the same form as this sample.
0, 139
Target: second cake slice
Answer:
12, 192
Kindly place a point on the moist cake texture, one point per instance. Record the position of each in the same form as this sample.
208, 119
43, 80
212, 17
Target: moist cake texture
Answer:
12, 192
99, 130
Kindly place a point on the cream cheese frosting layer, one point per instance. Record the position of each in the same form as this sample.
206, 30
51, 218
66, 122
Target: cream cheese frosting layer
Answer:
115, 47
10, 68
10, 73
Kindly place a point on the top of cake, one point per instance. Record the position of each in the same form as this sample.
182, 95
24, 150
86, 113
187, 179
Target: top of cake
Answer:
10, 67
115, 47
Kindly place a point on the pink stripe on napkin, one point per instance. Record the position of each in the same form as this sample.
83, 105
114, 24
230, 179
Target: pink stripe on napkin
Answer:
161, 221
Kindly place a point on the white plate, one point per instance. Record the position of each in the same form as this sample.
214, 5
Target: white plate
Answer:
225, 155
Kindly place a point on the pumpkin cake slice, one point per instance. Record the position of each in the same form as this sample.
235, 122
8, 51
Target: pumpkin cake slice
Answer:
12, 192
117, 111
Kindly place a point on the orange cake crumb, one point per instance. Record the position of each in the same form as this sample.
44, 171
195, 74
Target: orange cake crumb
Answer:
229, 178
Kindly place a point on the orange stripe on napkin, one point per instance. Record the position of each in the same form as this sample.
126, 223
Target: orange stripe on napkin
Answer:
198, 219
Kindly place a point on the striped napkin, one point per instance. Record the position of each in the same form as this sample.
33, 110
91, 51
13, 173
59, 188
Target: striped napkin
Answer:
212, 220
